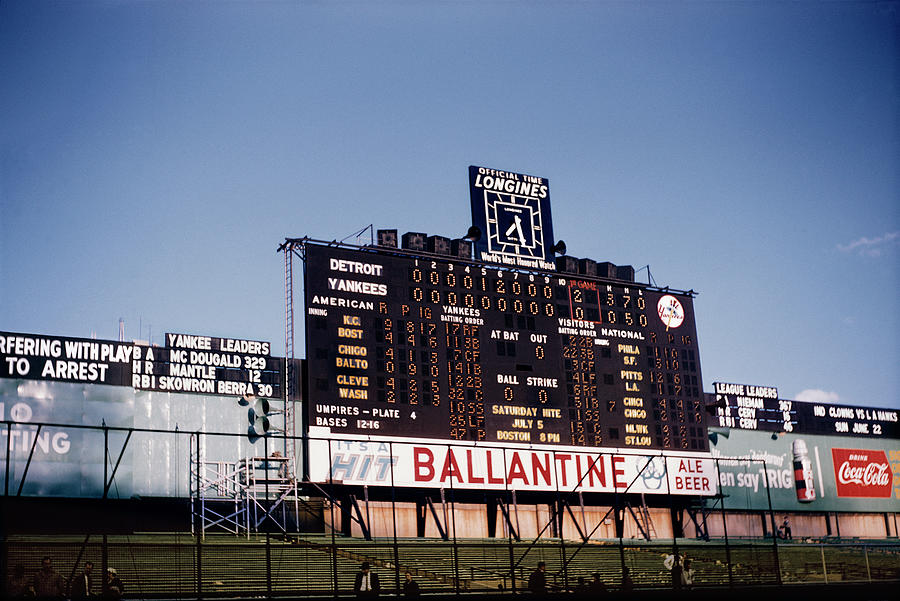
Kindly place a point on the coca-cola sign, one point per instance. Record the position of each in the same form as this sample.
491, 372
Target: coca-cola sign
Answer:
862, 473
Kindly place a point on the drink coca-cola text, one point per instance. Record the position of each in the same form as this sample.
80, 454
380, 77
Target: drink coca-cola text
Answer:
874, 474
862, 473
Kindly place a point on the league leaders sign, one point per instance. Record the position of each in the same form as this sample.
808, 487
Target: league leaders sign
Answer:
752, 407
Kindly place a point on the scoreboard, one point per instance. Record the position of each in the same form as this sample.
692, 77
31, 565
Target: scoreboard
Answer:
429, 347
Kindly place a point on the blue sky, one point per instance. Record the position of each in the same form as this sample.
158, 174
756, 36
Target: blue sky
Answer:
154, 154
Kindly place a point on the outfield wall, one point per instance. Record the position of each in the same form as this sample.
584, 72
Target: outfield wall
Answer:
469, 520
68, 462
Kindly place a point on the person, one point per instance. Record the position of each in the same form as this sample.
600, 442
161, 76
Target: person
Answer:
48, 584
115, 589
627, 583
537, 582
366, 583
278, 463
410, 586
17, 586
687, 574
673, 562
82, 583
597, 585
786, 527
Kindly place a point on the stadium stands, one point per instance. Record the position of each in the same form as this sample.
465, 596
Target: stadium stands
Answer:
167, 565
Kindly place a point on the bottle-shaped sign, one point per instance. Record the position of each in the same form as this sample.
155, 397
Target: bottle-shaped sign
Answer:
803, 474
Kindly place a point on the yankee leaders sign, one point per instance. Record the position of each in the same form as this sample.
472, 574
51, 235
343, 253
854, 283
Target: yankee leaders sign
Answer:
188, 363
381, 463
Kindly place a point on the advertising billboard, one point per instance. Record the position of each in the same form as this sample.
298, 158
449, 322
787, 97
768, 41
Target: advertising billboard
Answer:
68, 460
191, 384
512, 210
807, 472
459, 466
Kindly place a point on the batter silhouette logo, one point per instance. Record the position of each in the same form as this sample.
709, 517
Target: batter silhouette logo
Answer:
862, 473
513, 212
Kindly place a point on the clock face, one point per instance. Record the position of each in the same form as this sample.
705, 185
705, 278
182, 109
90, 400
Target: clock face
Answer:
514, 225
670, 311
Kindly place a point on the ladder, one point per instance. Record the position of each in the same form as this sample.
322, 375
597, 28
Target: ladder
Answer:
642, 518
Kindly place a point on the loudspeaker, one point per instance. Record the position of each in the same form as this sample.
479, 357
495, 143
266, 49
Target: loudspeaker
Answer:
587, 267
414, 240
439, 245
625, 272
606, 270
387, 238
567, 264
461, 249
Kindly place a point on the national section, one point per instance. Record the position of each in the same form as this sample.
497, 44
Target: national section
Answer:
407, 346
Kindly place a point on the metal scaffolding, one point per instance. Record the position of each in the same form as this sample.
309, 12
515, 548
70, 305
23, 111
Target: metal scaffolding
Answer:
252, 494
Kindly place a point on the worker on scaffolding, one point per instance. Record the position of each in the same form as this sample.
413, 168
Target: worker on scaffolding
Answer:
276, 462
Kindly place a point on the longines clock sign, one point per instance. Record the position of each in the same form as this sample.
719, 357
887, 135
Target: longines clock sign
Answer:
513, 212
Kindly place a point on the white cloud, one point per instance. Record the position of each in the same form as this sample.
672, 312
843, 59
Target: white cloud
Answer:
872, 247
814, 395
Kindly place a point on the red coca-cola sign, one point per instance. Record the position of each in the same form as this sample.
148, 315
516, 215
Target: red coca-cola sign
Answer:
862, 473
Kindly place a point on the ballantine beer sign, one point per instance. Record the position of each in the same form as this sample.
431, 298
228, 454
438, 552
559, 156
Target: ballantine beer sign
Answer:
385, 463
862, 473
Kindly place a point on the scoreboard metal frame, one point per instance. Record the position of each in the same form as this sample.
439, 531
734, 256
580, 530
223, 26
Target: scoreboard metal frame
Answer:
415, 346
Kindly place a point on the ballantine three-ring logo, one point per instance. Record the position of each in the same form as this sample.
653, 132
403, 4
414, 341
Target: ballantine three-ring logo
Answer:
862, 473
